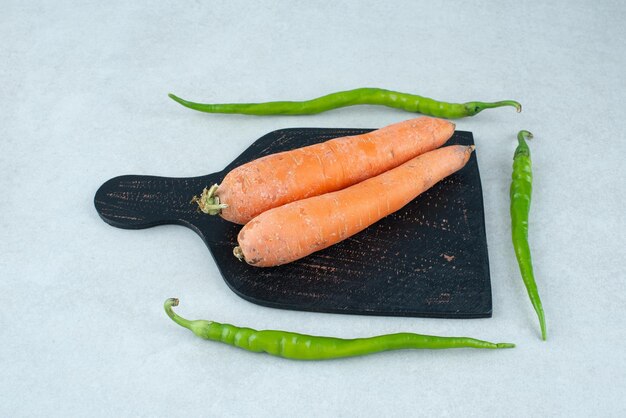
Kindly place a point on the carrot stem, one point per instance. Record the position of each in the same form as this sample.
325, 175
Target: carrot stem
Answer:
208, 202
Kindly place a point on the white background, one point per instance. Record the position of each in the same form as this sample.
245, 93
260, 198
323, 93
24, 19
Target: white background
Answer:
83, 98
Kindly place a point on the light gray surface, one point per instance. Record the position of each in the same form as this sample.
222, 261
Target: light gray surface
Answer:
83, 99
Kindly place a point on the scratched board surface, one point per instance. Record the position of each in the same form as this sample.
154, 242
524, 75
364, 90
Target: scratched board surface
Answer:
429, 259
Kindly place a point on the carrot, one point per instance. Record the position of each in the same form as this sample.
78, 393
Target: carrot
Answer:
277, 179
287, 233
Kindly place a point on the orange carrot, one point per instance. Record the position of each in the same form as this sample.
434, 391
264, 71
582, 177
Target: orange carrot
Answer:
277, 179
297, 229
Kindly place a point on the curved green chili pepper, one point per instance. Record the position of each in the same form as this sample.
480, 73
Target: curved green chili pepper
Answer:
521, 191
361, 96
307, 347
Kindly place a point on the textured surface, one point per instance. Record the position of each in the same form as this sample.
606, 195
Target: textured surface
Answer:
428, 259
84, 98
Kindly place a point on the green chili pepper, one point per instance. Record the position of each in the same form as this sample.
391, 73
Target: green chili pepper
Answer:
307, 347
521, 191
361, 96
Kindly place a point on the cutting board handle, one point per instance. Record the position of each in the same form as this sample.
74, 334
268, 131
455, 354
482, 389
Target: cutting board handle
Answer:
137, 202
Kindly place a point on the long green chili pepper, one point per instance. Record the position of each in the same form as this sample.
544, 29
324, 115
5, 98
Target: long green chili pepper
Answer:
521, 191
361, 96
307, 347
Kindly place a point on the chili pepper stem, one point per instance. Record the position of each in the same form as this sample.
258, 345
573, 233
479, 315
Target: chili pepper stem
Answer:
198, 327
208, 202
476, 107
522, 136
516, 105
169, 304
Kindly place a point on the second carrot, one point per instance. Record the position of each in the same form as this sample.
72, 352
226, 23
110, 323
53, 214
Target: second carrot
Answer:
295, 230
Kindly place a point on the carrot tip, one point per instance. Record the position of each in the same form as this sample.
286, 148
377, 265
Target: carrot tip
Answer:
472, 148
237, 252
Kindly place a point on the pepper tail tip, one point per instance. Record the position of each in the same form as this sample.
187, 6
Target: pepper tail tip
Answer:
175, 98
505, 345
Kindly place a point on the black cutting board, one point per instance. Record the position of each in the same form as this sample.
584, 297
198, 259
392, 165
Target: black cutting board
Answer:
428, 260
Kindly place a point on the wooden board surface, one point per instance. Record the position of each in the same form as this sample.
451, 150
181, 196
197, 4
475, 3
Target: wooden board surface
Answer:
427, 260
